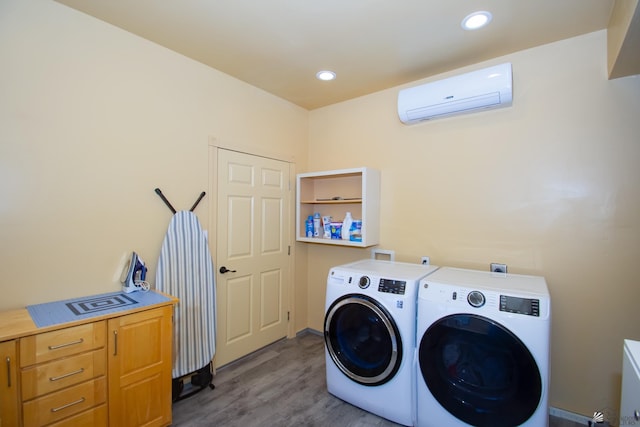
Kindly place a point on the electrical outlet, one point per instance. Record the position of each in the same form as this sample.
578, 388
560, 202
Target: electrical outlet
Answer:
425, 260
498, 268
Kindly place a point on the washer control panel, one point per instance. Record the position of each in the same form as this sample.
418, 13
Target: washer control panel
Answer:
391, 286
530, 307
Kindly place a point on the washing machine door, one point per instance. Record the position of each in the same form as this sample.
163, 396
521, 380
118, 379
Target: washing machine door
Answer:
479, 371
363, 339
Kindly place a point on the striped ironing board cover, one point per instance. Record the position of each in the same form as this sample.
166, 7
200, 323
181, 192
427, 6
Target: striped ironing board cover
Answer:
185, 270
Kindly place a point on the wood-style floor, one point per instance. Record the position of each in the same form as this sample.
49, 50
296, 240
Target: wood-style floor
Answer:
281, 385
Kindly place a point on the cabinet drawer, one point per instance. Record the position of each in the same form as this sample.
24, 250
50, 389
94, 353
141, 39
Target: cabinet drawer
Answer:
63, 342
51, 376
94, 417
64, 403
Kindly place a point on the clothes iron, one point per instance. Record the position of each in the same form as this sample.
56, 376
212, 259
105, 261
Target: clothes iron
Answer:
134, 274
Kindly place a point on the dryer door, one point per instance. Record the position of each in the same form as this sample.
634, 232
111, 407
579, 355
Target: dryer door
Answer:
363, 339
479, 371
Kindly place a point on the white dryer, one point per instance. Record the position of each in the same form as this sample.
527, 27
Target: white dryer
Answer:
482, 349
369, 332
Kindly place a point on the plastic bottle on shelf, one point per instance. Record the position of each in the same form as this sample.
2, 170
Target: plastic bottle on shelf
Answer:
317, 228
326, 225
355, 231
309, 226
346, 226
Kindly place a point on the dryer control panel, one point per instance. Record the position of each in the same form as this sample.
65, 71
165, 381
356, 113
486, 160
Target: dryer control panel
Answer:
391, 286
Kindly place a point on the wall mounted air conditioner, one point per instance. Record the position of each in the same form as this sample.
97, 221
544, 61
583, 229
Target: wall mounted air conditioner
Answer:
478, 90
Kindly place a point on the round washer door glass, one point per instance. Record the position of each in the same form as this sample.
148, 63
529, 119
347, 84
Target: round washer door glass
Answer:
479, 371
362, 339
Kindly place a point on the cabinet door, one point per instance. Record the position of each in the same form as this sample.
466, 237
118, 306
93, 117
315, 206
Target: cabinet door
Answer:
630, 400
140, 368
8, 385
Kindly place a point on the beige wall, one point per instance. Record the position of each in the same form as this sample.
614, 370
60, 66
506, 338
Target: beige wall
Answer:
92, 119
549, 186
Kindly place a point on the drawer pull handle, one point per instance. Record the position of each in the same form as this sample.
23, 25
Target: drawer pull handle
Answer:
79, 371
55, 347
8, 372
60, 408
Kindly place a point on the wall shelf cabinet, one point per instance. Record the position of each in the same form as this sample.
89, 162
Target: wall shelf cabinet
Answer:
335, 193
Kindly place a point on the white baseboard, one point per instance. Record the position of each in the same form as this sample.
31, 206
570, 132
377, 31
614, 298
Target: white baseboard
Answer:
571, 416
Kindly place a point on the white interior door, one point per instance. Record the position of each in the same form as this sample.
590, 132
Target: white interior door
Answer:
252, 235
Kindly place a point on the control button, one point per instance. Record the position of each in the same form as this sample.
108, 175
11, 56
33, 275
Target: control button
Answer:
364, 282
454, 296
476, 299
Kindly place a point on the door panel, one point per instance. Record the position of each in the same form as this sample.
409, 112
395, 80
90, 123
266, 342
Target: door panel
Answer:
9, 407
238, 308
271, 296
253, 237
139, 366
271, 225
239, 224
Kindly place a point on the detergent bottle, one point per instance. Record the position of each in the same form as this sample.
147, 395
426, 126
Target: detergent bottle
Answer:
309, 226
355, 232
317, 229
346, 226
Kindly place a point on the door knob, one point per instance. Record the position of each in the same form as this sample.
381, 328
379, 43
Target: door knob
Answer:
224, 269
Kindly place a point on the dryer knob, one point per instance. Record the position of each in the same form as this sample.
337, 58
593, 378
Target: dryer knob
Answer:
364, 282
476, 299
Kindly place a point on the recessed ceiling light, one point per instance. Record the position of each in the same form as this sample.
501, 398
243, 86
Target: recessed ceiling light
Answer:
325, 75
476, 20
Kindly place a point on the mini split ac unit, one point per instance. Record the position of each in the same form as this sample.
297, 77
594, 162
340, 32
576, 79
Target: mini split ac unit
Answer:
478, 90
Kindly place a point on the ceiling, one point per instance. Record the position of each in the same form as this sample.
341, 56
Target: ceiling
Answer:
279, 45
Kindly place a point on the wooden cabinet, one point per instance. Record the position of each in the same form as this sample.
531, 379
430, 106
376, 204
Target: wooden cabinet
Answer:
111, 370
63, 375
335, 193
9, 398
630, 401
140, 368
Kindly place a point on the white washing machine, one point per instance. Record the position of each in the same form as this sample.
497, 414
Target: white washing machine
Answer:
482, 349
369, 332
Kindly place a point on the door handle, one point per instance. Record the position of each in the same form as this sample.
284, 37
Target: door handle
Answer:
60, 408
58, 378
224, 269
56, 347
8, 371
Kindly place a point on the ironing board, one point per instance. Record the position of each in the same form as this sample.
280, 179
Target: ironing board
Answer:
185, 270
